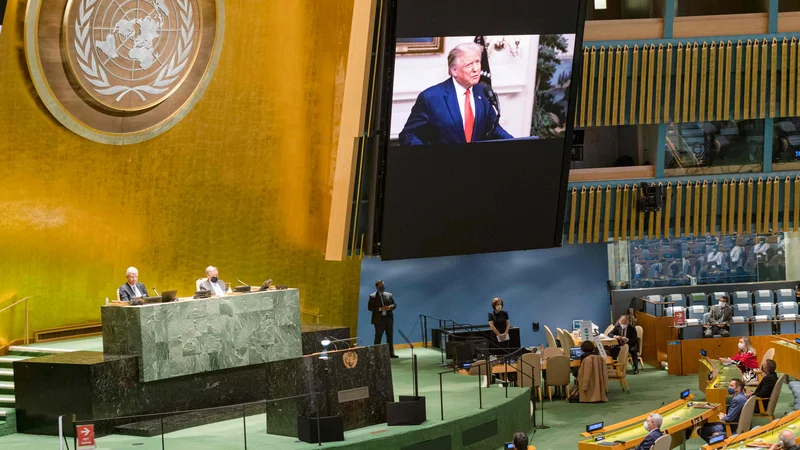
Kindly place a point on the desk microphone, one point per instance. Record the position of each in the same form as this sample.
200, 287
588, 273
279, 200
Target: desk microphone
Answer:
716, 348
157, 294
242, 282
656, 411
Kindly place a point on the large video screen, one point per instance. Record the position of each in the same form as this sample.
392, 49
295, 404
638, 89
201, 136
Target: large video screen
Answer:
476, 153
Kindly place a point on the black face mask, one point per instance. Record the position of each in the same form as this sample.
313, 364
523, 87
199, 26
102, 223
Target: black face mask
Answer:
214, 279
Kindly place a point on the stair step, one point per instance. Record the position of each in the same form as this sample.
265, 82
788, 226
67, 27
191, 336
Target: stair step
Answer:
7, 401
4, 412
6, 374
8, 360
6, 387
22, 350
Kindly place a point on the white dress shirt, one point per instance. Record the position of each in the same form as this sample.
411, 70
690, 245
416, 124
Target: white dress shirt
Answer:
217, 289
715, 258
736, 253
761, 249
136, 292
460, 93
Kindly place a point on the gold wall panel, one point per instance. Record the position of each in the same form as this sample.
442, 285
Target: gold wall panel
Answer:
243, 182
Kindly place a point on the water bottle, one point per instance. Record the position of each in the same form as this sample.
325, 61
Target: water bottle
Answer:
106, 300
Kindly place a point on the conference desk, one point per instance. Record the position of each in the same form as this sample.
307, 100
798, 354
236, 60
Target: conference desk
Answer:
787, 356
713, 377
677, 416
761, 437
498, 367
191, 336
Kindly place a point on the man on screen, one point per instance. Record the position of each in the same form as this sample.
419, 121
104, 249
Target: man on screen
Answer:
455, 111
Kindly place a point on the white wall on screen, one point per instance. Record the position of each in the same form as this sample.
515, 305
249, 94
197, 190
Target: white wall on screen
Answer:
513, 78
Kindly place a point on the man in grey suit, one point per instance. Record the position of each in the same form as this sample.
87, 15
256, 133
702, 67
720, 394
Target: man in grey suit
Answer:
132, 289
213, 283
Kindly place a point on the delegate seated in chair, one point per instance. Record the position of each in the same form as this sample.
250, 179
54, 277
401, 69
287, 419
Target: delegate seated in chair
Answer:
719, 318
767, 384
626, 334
653, 426
735, 388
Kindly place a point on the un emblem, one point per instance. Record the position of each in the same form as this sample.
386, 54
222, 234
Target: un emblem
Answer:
134, 68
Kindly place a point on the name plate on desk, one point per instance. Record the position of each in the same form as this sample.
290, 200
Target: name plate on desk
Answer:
350, 395
194, 336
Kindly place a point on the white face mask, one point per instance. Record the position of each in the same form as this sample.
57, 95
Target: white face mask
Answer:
646, 426
741, 345
723, 304
623, 325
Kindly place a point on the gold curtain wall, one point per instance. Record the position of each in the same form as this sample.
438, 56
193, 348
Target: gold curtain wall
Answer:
691, 208
242, 183
689, 81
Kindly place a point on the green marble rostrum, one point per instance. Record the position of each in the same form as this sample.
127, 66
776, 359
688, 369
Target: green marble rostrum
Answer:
194, 336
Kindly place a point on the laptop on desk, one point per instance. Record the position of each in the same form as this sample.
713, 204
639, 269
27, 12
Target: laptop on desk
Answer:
575, 353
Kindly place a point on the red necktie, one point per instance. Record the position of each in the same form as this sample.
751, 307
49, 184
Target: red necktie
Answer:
469, 117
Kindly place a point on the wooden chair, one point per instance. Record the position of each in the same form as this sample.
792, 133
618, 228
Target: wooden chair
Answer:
745, 419
640, 335
772, 401
608, 329
551, 341
530, 368
619, 369
566, 342
769, 354
663, 443
558, 374
549, 352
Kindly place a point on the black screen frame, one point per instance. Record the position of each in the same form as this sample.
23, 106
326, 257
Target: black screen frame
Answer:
380, 139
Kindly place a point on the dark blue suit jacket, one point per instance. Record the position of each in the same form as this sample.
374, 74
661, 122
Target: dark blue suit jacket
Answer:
649, 440
436, 118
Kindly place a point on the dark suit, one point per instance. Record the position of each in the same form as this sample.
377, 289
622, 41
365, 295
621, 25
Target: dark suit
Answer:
384, 323
206, 286
633, 342
765, 387
436, 118
649, 440
126, 291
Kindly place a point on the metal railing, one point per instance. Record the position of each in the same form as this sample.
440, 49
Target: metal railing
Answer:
27, 324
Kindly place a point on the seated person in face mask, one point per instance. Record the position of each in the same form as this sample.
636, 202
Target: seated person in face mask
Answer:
653, 426
624, 333
736, 389
719, 319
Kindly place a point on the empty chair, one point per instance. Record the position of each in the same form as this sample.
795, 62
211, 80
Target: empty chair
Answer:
650, 308
697, 312
530, 367
763, 296
549, 352
663, 443
566, 341
551, 340
785, 295
558, 373
771, 402
741, 297
698, 298
742, 315
677, 299
787, 310
762, 318
608, 329
619, 370
673, 309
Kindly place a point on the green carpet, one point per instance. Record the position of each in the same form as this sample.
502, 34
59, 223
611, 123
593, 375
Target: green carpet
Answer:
567, 420
648, 390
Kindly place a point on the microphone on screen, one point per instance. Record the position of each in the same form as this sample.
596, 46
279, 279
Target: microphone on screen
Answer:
157, 294
492, 97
